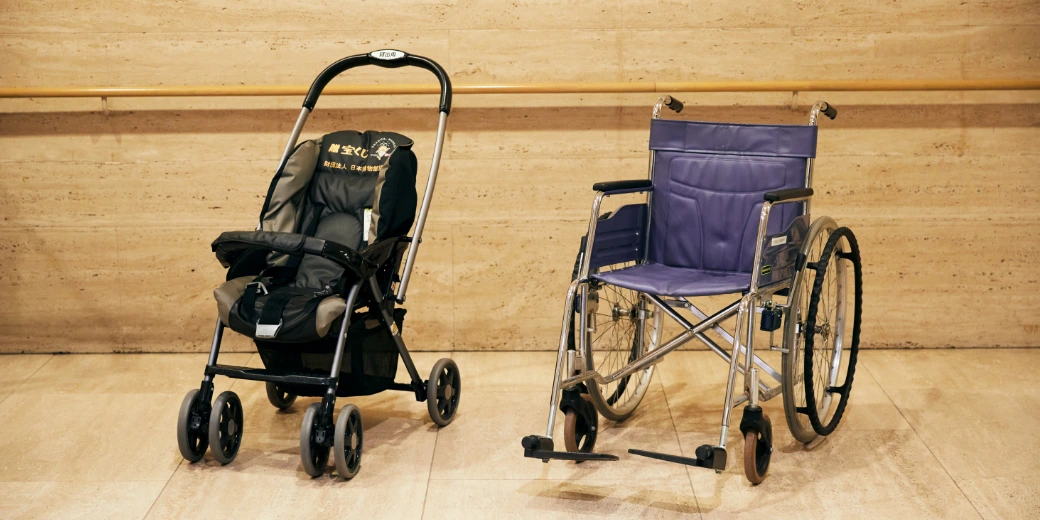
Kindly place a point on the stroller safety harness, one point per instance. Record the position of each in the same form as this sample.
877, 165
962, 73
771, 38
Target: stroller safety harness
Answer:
317, 284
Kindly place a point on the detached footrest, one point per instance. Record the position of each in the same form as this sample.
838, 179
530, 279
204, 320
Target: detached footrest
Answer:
538, 447
711, 457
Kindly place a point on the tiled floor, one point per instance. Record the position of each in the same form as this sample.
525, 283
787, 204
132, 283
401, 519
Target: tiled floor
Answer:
929, 434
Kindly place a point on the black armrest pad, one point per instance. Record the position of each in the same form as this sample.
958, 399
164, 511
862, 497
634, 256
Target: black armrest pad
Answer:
793, 193
634, 185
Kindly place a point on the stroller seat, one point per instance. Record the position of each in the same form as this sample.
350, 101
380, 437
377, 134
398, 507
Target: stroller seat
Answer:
349, 188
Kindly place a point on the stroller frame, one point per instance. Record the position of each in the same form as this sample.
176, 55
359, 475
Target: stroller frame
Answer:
571, 373
365, 268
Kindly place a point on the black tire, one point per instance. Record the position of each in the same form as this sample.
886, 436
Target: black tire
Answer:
225, 427
758, 452
313, 453
443, 391
281, 399
845, 389
580, 430
349, 442
192, 431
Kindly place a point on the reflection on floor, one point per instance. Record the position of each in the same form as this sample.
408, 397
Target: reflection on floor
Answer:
928, 434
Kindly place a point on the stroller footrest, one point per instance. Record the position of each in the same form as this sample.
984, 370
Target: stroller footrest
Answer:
261, 374
711, 457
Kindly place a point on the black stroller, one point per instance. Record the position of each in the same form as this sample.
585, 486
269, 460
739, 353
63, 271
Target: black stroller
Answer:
326, 256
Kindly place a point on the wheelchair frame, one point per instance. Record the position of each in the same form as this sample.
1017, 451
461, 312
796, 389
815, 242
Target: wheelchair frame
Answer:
570, 371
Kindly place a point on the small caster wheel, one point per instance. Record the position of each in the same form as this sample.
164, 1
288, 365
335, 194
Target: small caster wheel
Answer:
348, 442
225, 427
758, 449
579, 429
192, 432
313, 451
442, 392
281, 399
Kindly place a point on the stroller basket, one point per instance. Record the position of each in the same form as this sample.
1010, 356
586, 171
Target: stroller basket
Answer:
369, 360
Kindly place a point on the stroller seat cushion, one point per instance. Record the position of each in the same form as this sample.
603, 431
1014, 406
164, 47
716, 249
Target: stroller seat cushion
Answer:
329, 210
327, 311
665, 280
228, 293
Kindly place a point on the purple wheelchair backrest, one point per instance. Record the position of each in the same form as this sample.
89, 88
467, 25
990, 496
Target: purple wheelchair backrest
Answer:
709, 182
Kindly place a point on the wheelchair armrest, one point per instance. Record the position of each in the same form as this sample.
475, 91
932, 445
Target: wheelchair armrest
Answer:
619, 187
788, 195
231, 245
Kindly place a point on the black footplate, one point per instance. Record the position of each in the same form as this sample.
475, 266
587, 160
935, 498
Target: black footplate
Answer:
538, 447
708, 456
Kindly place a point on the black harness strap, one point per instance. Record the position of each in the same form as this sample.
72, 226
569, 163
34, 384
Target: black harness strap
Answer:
271, 314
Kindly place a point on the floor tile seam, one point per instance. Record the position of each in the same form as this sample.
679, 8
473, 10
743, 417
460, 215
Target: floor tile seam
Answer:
163, 490
30, 376
925, 443
675, 431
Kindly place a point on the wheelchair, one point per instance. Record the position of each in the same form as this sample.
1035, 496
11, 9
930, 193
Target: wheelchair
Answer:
316, 285
726, 211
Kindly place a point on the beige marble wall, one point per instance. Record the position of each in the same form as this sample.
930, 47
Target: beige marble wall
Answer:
107, 216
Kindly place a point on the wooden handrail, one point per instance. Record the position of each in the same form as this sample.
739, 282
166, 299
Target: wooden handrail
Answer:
534, 88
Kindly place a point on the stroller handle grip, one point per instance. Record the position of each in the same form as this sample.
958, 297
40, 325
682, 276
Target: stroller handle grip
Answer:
388, 58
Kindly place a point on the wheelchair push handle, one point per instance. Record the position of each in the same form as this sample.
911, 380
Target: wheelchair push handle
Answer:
829, 110
386, 58
673, 104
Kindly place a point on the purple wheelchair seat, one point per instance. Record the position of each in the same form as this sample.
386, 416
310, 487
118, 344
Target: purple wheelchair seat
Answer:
708, 189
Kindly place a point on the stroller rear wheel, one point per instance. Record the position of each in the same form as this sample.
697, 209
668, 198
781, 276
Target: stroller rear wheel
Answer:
314, 452
281, 399
192, 432
348, 443
225, 427
443, 391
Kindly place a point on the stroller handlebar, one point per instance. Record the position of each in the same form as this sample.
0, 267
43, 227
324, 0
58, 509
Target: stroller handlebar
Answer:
387, 58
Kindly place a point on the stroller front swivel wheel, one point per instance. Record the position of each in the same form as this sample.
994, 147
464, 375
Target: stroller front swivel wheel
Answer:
348, 442
443, 391
281, 399
192, 432
314, 452
225, 427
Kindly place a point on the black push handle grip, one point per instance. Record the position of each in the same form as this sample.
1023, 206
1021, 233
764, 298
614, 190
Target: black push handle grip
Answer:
829, 110
674, 104
386, 58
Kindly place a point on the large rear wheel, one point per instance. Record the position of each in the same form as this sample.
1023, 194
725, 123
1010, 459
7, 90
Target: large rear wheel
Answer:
793, 360
622, 326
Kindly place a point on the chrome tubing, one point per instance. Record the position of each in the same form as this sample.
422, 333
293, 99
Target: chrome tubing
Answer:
590, 240
420, 223
568, 309
294, 136
726, 336
653, 356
